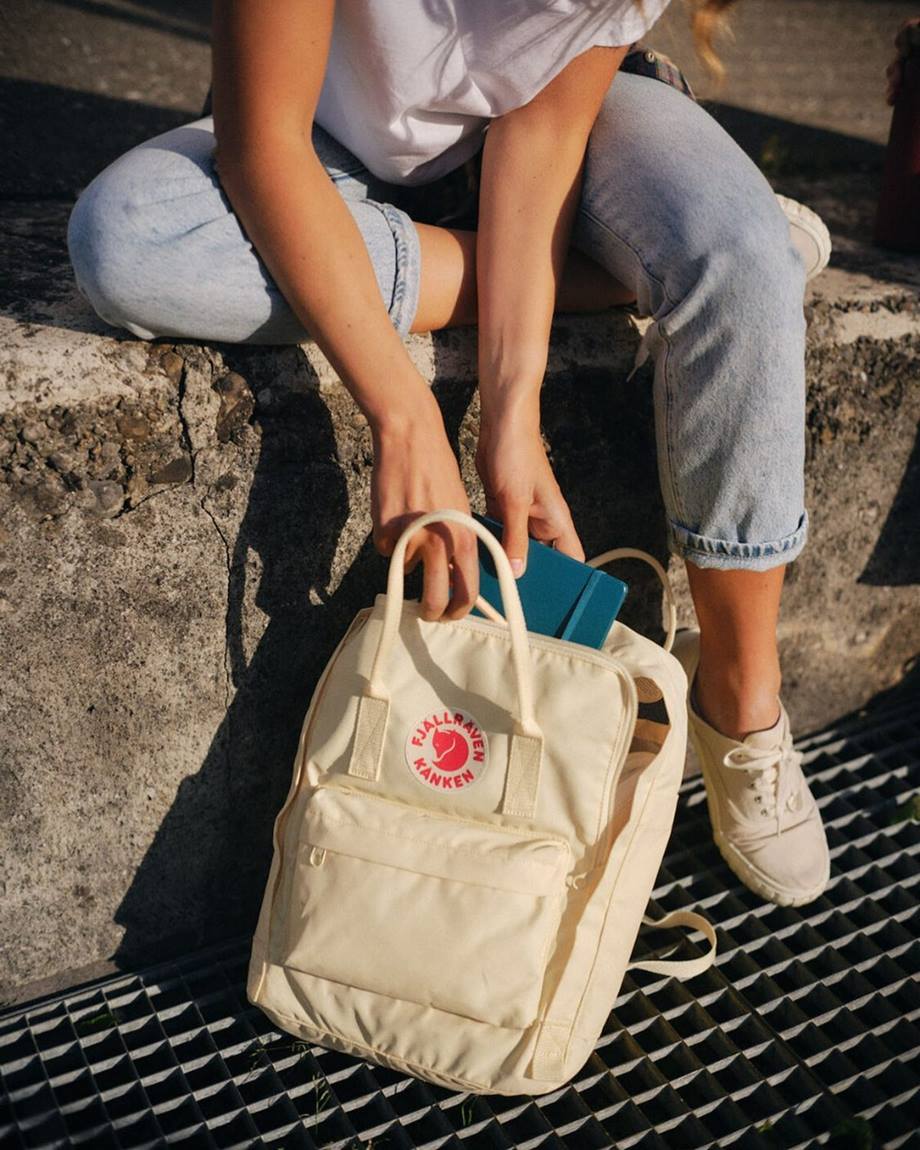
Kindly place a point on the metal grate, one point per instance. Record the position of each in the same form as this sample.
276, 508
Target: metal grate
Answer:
806, 1031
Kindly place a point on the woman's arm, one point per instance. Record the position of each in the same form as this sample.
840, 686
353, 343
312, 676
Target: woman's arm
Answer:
530, 185
268, 63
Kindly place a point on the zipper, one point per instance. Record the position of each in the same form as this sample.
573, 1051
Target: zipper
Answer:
622, 749
281, 821
543, 642
479, 824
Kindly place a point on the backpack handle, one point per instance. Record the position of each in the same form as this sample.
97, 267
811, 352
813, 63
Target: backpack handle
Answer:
526, 742
511, 601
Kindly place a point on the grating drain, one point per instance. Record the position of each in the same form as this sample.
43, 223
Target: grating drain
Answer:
806, 1031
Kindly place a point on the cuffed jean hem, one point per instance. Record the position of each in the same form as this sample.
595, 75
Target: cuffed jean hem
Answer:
704, 551
407, 281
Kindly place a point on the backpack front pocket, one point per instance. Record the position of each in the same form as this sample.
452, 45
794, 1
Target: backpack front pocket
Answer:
421, 906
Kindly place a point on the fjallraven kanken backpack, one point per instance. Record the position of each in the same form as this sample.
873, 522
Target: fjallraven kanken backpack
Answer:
472, 832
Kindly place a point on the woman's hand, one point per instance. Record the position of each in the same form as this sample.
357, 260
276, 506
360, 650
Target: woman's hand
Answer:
521, 490
415, 470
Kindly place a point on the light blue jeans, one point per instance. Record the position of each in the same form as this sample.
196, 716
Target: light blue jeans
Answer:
671, 206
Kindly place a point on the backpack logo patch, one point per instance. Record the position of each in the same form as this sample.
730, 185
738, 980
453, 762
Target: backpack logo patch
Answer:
447, 750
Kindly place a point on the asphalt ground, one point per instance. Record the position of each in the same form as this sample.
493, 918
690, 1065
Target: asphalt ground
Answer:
83, 80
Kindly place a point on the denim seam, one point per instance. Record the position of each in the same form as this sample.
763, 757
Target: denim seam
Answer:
408, 263
671, 304
691, 545
338, 174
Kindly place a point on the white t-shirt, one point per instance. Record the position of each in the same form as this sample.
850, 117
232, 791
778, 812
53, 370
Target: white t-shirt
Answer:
410, 85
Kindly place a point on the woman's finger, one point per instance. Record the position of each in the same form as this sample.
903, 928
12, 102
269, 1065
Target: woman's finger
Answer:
435, 593
383, 540
415, 549
464, 575
568, 543
386, 534
413, 555
514, 514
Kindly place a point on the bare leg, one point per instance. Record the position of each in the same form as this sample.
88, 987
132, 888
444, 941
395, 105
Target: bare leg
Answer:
738, 679
447, 293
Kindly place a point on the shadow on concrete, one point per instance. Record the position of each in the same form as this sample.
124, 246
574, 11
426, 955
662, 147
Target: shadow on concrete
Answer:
781, 146
865, 258
906, 692
190, 18
54, 140
895, 560
899, 703
601, 433
182, 897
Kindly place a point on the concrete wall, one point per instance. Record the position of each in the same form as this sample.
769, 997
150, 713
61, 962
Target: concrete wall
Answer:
185, 535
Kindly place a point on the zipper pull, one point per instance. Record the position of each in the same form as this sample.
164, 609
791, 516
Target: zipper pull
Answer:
317, 856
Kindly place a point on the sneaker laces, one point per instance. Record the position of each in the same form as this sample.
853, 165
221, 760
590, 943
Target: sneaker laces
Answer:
777, 779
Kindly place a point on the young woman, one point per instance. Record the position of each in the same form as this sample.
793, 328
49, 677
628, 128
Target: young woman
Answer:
283, 217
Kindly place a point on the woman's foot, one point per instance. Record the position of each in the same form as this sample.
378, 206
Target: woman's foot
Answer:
765, 820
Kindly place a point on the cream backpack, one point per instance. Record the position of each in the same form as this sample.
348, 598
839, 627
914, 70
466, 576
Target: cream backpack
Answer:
474, 826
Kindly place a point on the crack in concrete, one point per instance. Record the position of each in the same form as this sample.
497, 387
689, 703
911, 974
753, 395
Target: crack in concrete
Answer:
130, 508
201, 498
228, 678
183, 420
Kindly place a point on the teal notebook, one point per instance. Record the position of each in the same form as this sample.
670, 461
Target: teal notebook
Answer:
560, 596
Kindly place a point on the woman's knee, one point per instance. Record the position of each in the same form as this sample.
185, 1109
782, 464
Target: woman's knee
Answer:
753, 263
107, 246
679, 206
122, 222
736, 252
734, 272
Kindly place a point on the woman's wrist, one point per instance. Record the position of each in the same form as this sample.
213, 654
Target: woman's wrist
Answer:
408, 410
515, 401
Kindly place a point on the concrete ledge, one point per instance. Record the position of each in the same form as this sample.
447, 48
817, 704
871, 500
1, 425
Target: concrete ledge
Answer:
185, 534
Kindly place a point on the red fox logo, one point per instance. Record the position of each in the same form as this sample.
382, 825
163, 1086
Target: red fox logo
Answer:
452, 750
447, 750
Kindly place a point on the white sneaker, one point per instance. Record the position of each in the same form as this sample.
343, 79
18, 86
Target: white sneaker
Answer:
765, 820
809, 234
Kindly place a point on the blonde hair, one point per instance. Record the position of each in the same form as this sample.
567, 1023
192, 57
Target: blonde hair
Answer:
707, 20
